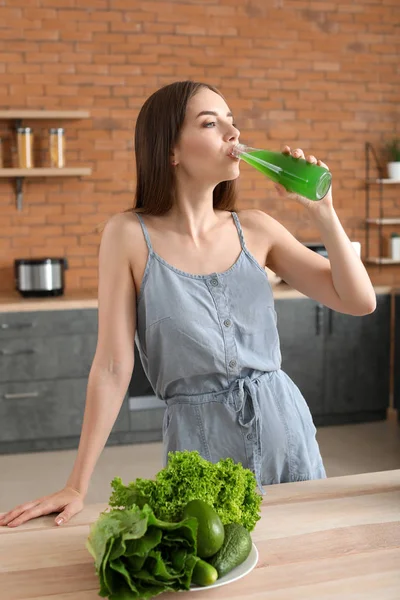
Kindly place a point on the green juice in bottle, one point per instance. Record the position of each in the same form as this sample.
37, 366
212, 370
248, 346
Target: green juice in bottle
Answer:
295, 174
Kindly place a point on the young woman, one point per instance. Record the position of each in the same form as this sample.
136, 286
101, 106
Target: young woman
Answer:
184, 273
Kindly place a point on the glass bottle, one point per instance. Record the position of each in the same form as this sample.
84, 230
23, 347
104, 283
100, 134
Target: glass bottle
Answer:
25, 147
57, 147
295, 174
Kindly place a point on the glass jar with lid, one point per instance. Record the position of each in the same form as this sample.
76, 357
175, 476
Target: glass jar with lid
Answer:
25, 147
57, 147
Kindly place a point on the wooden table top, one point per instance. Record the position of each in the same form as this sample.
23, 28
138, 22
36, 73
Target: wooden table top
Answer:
337, 538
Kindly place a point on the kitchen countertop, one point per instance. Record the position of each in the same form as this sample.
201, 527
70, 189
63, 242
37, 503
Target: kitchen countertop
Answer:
13, 302
317, 540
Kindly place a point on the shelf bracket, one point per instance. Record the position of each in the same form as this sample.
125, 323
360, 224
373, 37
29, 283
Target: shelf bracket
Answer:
19, 182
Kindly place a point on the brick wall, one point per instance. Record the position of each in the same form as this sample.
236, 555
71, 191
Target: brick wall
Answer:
319, 75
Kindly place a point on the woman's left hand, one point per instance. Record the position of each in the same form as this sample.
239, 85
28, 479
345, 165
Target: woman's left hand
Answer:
312, 204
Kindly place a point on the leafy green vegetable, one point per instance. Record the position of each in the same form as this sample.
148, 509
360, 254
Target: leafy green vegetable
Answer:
139, 556
226, 486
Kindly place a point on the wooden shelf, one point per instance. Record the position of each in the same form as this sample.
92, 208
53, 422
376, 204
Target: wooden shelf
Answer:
383, 221
46, 172
384, 181
43, 114
382, 261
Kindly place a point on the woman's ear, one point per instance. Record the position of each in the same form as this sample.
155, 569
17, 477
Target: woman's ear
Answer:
174, 155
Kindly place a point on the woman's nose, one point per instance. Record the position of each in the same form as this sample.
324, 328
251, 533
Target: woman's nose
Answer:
233, 134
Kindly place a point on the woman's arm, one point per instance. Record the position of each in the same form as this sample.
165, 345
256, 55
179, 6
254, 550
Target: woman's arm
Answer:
340, 282
113, 362
108, 379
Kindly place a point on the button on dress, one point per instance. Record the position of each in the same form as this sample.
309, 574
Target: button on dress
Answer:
209, 346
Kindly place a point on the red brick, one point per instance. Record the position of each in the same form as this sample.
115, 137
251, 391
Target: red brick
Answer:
327, 68
76, 57
52, 3
11, 13
159, 27
11, 57
12, 78
41, 34
192, 30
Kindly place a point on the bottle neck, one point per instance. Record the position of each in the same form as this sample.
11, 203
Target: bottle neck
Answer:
240, 149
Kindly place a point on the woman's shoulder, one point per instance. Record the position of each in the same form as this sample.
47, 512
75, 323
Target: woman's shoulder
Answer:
260, 229
122, 225
123, 240
257, 220
123, 231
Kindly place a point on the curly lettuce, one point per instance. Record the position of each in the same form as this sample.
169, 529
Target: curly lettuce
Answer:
226, 486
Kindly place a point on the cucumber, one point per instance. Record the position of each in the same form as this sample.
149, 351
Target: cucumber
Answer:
204, 573
234, 551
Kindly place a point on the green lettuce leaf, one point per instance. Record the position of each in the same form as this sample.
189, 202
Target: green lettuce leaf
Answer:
137, 555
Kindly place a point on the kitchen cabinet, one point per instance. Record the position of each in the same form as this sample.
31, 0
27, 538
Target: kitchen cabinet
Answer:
341, 363
45, 323
396, 362
44, 409
50, 357
358, 361
300, 325
45, 359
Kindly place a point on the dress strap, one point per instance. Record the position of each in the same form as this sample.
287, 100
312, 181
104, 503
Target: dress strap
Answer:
145, 233
239, 229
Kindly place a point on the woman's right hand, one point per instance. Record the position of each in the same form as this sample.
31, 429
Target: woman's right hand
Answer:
68, 501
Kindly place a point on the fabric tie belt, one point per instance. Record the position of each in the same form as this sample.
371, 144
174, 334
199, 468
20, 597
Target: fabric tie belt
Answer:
249, 417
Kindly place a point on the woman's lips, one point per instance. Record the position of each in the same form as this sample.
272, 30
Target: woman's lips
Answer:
232, 155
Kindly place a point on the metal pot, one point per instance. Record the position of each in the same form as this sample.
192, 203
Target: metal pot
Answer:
38, 277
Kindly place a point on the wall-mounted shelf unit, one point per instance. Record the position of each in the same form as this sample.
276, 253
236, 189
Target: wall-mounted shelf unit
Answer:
17, 116
383, 261
383, 221
380, 221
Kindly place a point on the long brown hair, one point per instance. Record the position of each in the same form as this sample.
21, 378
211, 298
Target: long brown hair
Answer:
157, 131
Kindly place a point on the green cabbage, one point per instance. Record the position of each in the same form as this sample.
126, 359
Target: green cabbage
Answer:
139, 556
226, 486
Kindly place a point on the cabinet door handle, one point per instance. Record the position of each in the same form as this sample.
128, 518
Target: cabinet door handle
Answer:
330, 322
319, 318
8, 352
21, 395
16, 325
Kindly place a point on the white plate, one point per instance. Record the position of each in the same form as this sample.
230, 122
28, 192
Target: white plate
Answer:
236, 573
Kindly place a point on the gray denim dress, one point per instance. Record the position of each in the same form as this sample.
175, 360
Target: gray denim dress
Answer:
209, 346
